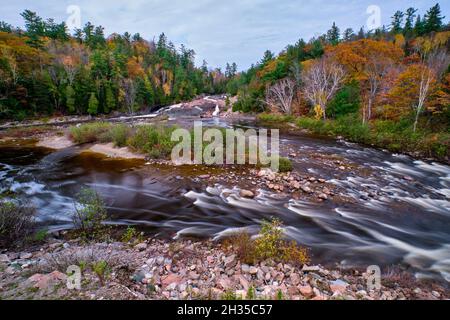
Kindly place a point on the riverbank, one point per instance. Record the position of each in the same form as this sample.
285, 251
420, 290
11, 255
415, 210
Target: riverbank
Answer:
397, 137
191, 270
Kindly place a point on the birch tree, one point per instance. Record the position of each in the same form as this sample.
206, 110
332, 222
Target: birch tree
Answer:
321, 82
432, 66
128, 87
280, 95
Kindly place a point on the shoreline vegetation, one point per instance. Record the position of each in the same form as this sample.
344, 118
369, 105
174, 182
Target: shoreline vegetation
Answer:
396, 137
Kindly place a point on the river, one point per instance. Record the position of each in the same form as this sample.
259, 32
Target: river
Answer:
400, 213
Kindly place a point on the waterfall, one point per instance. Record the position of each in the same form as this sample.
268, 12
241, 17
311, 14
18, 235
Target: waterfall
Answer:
217, 112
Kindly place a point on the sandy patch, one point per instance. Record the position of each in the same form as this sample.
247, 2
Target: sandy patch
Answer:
55, 142
113, 152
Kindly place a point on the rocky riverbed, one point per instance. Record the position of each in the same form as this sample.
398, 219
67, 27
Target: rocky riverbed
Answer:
173, 270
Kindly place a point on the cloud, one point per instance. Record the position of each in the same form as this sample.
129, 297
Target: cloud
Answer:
219, 31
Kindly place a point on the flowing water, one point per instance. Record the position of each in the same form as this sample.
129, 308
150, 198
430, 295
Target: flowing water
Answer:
400, 213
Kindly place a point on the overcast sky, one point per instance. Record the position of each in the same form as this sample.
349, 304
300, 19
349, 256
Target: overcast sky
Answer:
220, 31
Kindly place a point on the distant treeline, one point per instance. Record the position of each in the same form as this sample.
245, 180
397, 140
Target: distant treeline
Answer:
46, 70
388, 73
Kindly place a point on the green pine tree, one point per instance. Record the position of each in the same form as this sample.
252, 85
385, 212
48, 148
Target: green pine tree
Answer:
419, 28
409, 24
433, 19
397, 21
70, 99
110, 100
333, 34
93, 105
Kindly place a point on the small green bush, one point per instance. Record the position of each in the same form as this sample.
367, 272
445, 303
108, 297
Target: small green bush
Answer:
268, 245
90, 214
131, 234
101, 269
16, 223
285, 165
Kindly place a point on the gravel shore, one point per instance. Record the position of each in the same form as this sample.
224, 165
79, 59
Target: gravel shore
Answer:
186, 270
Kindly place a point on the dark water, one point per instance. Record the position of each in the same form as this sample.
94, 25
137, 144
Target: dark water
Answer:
400, 211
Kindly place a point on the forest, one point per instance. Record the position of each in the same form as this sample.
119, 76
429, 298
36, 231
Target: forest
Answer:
46, 71
388, 87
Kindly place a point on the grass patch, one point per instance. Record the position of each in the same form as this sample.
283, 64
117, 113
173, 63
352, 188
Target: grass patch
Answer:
269, 245
24, 132
274, 118
117, 134
154, 141
89, 132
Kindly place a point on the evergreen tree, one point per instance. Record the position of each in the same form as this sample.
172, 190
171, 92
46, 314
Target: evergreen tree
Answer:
397, 21
333, 35
78, 35
35, 28
317, 49
349, 34
268, 56
70, 99
110, 101
409, 24
433, 19
361, 34
93, 105
5, 27
88, 31
419, 27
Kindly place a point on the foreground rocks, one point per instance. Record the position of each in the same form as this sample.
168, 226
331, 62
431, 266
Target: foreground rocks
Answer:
157, 269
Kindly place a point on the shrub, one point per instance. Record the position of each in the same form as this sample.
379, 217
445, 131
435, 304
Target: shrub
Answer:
230, 296
269, 245
24, 132
396, 136
270, 237
285, 165
251, 294
130, 234
101, 269
89, 132
90, 214
294, 254
16, 223
243, 246
118, 134
86, 257
154, 141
